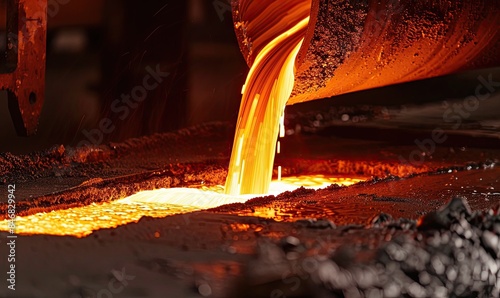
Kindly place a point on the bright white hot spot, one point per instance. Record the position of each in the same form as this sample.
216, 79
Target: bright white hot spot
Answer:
82, 221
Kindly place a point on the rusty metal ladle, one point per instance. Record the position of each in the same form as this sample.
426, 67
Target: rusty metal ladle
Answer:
356, 45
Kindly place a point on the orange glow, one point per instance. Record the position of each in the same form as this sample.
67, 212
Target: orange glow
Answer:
82, 221
266, 212
265, 94
312, 181
237, 227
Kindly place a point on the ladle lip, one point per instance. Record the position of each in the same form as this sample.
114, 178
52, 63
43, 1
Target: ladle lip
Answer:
313, 18
240, 10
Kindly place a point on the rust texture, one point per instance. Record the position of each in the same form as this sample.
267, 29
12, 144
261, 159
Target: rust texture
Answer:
22, 71
358, 45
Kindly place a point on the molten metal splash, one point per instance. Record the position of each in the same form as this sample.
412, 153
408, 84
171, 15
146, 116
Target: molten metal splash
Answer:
82, 221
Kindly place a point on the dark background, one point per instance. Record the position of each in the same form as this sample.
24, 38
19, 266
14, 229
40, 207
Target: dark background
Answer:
98, 50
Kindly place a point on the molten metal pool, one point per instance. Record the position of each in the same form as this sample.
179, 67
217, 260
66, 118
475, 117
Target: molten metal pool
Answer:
82, 221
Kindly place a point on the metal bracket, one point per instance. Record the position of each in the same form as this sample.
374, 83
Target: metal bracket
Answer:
22, 68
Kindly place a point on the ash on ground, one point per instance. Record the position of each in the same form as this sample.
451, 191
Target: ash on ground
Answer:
452, 252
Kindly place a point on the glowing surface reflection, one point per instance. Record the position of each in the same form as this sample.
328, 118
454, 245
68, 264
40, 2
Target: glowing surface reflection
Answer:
82, 221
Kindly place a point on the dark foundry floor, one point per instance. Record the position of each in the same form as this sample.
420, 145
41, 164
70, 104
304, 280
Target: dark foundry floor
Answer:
387, 237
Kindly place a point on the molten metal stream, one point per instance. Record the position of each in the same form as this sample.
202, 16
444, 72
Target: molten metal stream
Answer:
265, 94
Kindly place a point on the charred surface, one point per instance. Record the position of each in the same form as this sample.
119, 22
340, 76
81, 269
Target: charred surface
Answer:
387, 236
